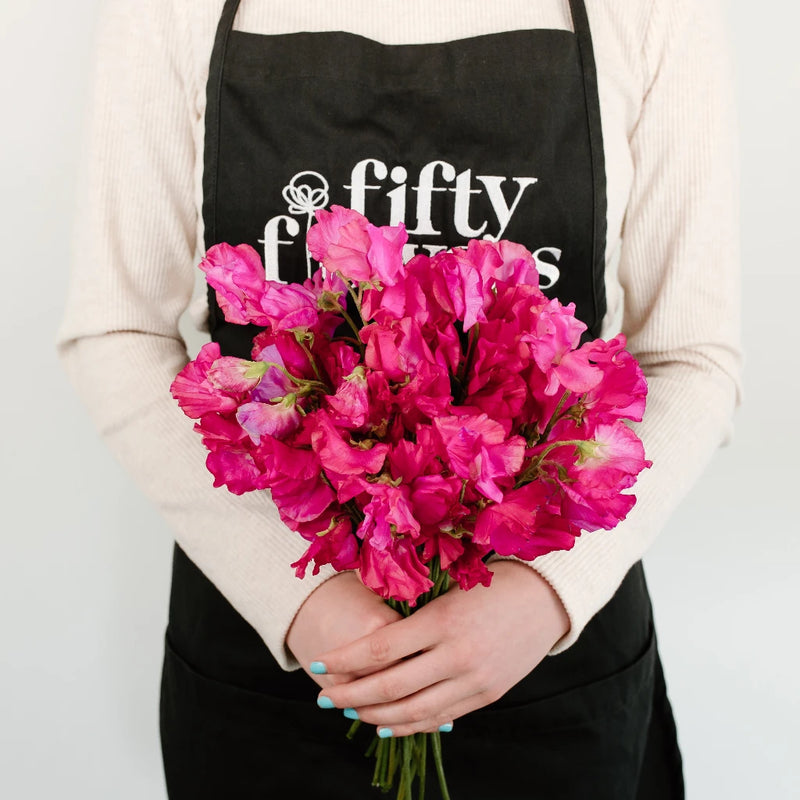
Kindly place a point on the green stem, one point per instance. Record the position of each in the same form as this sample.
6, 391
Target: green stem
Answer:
436, 746
555, 417
530, 472
421, 758
298, 381
407, 748
314, 366
353, 728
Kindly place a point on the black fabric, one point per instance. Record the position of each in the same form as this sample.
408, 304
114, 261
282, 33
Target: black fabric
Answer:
592, 722
303, 120
494, 119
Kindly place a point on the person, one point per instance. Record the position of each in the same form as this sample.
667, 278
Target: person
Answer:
600, 137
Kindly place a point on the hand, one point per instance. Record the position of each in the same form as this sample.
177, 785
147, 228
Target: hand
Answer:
460, 652
336, 613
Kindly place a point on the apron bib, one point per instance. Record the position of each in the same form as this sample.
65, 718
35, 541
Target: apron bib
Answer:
496, 136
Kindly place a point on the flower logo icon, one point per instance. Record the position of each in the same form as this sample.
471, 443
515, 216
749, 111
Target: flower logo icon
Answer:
305, 193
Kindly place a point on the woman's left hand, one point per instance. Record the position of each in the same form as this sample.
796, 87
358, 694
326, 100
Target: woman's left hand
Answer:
458, 653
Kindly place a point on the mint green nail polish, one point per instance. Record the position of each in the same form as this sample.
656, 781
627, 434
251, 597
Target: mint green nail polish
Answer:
318, 668
446, 728
350, 713
385, 733
325, 702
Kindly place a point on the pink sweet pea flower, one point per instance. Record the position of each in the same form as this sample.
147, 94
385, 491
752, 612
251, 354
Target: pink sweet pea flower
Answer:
349, 407
444, 544
435, 500
408, 460
236, 469
271, 419
288, 307
340, 241
195, 393
553, 346
396, 349
281, 348
388, 514
222, 431
238, 276
527, 524
469, 569
593, 476
385, 253
459, 289
339, 458
332, 542
235, 375
475, 448
294, 475
503, 261
393, 569
622, 392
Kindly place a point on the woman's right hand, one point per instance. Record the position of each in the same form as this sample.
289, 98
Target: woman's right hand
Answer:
336, 613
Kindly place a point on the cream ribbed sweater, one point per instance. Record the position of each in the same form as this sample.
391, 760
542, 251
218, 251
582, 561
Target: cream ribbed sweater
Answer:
672, 268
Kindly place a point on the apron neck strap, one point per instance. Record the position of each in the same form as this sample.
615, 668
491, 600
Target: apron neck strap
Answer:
580, 21
213, 91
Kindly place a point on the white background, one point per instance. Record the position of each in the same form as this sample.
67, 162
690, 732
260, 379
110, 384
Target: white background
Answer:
85, 560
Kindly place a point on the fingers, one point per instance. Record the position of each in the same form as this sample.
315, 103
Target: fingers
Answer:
376, 651
434, 709
419, 694
391, 684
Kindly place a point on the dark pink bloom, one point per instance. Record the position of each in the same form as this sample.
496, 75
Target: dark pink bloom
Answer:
195, 394
236, 469
412, 297
408, 460
238, 276
332, 542
290, 355
337, 456
349, 407
385, 253
526, 524
393, 569
594, 475
435, 500
475, 448
388, 514
445, 544
459, 289
294, 475
288, 307
340, 242
469, 569
222, 431
622, 391
553, 343
396, 349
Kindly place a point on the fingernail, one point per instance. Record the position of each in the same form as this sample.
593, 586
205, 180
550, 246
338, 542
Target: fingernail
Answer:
350, 713
446, 728
385, 733
318, 668
325, 702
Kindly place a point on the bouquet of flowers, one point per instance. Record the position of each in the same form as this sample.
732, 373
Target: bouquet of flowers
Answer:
411, 419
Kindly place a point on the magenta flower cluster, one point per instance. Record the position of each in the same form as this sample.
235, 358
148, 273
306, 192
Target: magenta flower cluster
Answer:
447, 411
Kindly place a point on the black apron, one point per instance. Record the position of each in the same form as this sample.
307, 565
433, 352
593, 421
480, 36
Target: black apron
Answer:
494, 136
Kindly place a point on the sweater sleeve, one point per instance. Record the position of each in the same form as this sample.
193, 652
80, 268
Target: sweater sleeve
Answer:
132, 277
679, 271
